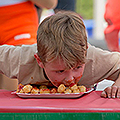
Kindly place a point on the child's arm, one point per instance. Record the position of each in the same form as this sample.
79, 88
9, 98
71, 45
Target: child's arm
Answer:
9, 60
106, 66
112, 91
18, 62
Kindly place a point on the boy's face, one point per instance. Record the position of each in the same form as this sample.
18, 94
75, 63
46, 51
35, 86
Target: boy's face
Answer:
57, 73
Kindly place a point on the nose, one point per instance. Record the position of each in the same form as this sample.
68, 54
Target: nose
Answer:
70, 78
67, 82
70, 75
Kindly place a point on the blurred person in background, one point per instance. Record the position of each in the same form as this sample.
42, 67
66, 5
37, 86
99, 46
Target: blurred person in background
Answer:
18, 25
19, 20
112, 17
69, 5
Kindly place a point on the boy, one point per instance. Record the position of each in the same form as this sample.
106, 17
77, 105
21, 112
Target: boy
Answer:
62, 55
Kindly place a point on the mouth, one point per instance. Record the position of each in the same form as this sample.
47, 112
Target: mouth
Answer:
67, 84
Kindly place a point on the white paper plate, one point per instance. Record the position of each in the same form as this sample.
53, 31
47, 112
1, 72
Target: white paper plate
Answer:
54, 95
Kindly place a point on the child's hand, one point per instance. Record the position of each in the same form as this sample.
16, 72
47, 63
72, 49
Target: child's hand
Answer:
111, 92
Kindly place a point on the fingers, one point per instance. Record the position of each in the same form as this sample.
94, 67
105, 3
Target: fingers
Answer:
103, 94
111, 92
108, 91
114, 91
118, 92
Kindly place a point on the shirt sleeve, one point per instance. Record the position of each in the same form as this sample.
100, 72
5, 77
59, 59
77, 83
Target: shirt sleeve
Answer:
106, 65
10, 60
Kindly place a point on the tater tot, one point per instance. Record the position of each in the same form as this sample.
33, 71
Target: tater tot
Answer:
27, 88
67, 90
35, 90
82, 88
61, 88
73, 86
44, 91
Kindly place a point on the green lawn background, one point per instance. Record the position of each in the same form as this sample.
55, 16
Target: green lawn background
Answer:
85, 8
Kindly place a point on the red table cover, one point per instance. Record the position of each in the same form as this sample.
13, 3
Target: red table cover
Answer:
91, 102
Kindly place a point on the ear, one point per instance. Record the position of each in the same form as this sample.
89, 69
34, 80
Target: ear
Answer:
86, 50
87, 46
38, 60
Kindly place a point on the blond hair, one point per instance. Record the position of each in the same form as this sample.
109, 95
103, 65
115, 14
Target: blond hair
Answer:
62, 35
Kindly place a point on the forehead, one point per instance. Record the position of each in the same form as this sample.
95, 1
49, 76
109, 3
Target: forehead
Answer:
56, 64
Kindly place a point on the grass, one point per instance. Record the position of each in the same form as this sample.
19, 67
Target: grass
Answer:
85, 8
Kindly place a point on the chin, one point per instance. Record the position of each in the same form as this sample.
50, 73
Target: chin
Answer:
55, 85
67, 85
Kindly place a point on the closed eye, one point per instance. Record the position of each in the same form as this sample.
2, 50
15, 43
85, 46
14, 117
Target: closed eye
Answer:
78, 67
60, 71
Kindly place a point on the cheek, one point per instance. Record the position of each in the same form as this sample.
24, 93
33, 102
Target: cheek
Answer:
78, 78
55, 82
81, 72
